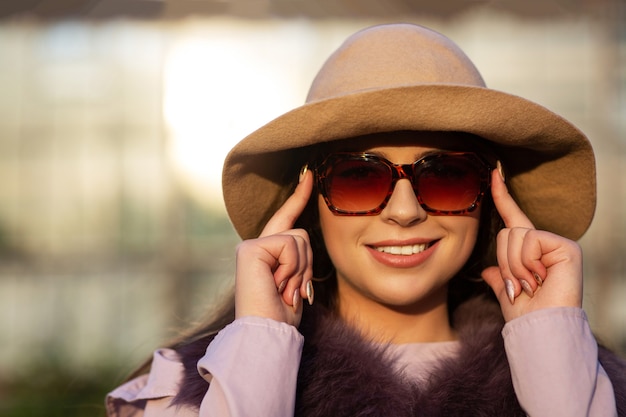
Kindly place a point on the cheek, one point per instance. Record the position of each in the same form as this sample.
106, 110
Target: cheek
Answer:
331, 235
340, 233
329, 223
462, 231
466, 227
472, 233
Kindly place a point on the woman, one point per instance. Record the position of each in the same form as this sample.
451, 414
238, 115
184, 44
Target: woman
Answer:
378, 286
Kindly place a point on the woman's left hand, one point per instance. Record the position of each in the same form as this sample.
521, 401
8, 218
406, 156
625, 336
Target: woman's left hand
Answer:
536, 269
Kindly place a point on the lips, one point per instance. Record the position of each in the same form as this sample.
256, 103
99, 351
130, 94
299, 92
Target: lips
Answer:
402, 255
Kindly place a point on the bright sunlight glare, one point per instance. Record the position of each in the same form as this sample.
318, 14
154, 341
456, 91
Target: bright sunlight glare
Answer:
221, 82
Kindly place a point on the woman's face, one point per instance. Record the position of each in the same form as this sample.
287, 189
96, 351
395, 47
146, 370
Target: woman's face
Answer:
364, 249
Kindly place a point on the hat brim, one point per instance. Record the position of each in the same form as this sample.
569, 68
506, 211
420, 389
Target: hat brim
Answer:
549, 162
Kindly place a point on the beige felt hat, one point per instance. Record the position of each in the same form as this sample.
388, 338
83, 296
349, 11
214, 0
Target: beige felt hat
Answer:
406, 77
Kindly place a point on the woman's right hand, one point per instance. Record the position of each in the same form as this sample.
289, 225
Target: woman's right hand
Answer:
274, 270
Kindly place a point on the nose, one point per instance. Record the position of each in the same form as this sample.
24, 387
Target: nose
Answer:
403, 207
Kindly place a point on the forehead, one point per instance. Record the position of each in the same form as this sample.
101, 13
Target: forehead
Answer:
450, 141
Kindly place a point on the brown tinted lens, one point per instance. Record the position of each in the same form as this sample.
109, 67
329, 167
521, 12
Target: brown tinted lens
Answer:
357, 185
449, 183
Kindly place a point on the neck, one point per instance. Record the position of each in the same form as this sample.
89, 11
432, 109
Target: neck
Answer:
423, 322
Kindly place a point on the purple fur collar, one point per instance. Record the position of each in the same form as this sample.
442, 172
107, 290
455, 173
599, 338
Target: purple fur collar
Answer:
343, 375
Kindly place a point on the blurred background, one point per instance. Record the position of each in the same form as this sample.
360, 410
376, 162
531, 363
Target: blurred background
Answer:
115, 116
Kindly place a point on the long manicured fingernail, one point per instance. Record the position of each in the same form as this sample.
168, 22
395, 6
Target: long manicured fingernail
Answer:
527, 288
296, 299
310, 293
500, 170
538, 279
281, 286
510, 290
303, 172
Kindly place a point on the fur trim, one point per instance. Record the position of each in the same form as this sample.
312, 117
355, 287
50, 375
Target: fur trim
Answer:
343, 375
615, 368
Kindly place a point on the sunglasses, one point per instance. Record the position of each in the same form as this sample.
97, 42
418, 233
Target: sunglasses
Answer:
361, 184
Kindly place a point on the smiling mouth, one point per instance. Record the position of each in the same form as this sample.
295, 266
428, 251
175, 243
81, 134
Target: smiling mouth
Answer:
405, 250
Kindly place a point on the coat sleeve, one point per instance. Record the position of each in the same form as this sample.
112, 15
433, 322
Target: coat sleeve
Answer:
252, 366
554, 365
150, 395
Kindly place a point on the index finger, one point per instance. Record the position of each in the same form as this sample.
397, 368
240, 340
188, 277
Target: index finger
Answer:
286, 216
511, 213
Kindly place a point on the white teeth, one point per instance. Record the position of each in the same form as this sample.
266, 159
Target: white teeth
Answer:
403, 250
